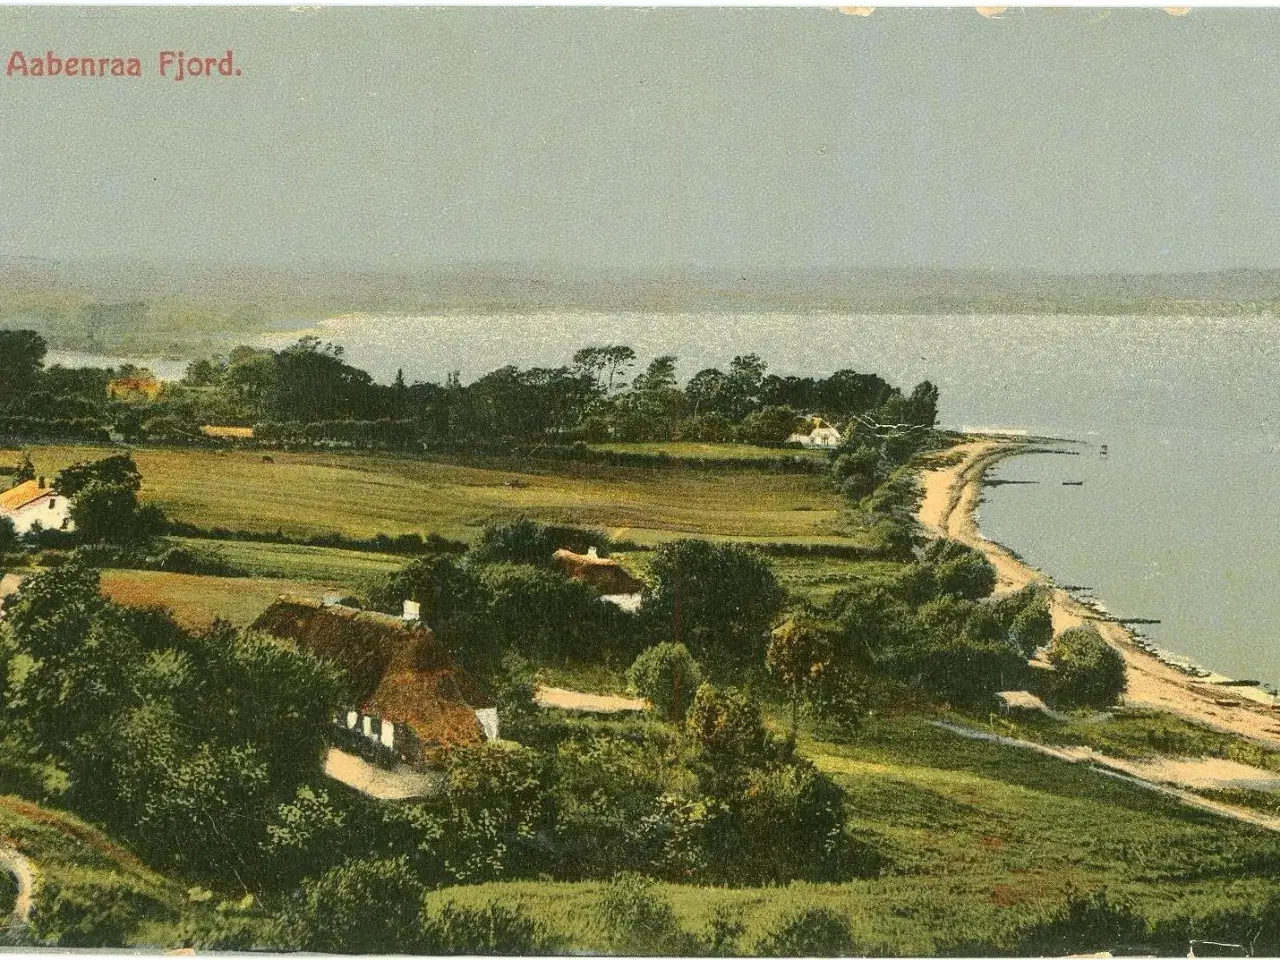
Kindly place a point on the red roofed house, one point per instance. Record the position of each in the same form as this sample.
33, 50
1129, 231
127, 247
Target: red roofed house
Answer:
35, 502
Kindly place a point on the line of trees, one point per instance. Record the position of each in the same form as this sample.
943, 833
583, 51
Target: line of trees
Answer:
308, 393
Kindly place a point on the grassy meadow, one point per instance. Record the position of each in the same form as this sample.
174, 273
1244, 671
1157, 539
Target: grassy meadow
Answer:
360, 495
352, 571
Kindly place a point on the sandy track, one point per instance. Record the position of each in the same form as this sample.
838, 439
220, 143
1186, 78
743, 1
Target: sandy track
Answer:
948, 508
24, 872
1138, 774
586, 702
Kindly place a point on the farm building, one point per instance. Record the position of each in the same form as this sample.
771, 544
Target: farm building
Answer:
614, 584
821, 434
35, 503
409, 696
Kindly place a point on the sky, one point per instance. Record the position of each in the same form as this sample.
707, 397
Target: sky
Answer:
636, 142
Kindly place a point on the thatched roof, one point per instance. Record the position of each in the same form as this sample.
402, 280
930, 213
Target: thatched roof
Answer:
604, 574
399, 670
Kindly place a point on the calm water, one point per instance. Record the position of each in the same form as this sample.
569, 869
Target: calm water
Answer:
1179, 522
163, 367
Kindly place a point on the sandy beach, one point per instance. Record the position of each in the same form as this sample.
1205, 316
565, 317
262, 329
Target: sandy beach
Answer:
952, 492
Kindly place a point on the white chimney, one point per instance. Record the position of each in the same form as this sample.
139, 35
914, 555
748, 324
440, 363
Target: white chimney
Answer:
412, 611
591, 552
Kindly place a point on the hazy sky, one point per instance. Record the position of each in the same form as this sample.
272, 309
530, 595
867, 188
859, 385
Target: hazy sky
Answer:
635, 141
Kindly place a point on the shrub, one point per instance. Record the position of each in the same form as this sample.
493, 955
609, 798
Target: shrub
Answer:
959, 570
1086, 923
100, 913
362, 906
1089, 671
9, 540
814, 932
482, 931
526, 541
636, 919
725, 929
1032, 628
727, 725
667, 676
785, 822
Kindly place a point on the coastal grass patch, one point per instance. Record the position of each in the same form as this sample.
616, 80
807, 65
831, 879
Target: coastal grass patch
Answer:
196, 601
819, 578
360, 495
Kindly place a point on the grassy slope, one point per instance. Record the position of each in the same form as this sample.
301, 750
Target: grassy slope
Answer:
360, 495
76, 861
975, 838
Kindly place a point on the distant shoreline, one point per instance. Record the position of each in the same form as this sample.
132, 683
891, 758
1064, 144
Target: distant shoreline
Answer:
952, 492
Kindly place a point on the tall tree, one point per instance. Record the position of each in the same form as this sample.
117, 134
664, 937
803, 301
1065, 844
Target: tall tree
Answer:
719, 599
21, 360
800, 652
607, 365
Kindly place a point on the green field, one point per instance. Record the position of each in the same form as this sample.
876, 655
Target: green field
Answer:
964, 841
352, 570
361, 495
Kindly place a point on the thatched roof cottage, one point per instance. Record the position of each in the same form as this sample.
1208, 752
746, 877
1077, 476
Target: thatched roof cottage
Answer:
409, 695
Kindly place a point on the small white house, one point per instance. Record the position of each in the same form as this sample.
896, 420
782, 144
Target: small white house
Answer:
821, 434
35, 502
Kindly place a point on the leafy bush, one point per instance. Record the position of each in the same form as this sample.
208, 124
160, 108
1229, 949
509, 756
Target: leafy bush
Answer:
814, 932
1086, 923
959, 570
491, 930
955, 650
101, 912
362, 906
636, 919
667, 676
1088, 670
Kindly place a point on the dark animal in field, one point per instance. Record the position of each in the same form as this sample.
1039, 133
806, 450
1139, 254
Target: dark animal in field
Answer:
268, 460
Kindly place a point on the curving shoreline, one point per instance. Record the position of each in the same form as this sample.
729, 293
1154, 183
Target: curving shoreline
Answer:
952, 491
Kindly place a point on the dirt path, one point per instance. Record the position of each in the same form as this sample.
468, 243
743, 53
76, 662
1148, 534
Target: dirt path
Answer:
1121, 770
586, 702
24, 872
951, 496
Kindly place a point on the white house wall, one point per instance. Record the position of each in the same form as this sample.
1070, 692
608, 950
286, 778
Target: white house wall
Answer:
50, 512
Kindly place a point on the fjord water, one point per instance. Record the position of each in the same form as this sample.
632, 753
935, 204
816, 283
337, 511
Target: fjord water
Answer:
1179, 522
